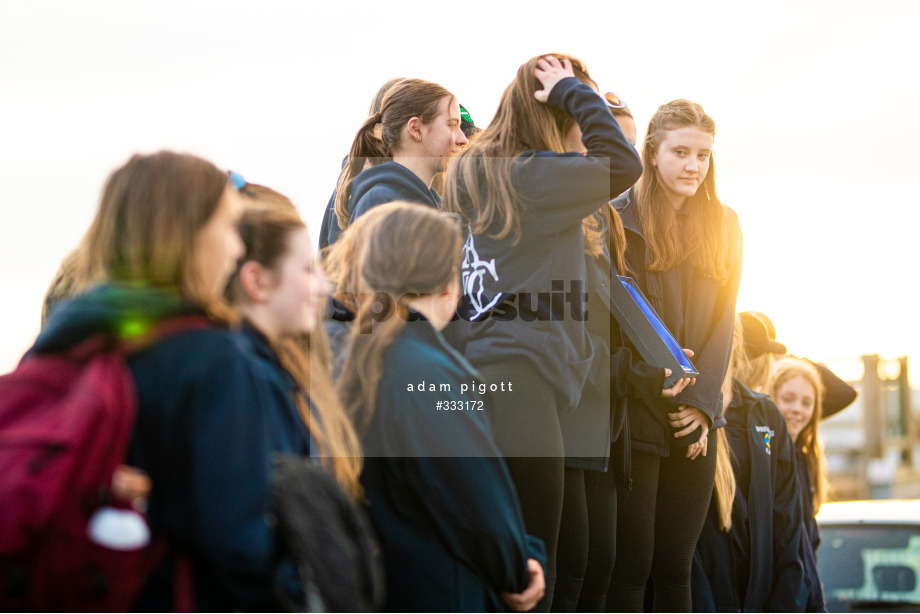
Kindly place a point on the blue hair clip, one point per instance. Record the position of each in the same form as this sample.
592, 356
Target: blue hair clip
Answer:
236, 180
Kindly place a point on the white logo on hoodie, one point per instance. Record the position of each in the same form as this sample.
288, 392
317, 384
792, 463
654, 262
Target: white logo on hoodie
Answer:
474, 270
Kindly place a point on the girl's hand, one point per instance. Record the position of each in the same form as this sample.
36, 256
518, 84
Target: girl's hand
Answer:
549, 72
525, 601
691, 418
131, 484
678, 386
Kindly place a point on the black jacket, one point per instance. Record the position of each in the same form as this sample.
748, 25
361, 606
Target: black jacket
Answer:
812, 535
329, 231
439, 494
699, 311
525, 300
378, 185
775, 577
601, 417
287, 431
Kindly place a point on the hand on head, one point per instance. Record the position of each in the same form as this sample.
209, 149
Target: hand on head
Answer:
549, 72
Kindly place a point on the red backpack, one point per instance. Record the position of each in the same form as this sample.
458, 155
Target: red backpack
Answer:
66, 420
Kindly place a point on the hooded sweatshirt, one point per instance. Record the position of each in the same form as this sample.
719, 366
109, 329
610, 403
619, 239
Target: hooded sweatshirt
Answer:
524, 306
378, 185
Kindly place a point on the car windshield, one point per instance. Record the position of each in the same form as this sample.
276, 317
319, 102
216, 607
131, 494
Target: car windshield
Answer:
869, 565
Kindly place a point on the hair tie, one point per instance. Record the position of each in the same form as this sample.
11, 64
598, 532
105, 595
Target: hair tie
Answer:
377, 118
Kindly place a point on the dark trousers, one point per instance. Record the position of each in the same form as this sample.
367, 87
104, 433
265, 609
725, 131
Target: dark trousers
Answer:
525, 424
658, 524
587, 541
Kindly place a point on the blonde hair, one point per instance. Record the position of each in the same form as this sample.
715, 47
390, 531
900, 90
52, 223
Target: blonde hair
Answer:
266, 225
342, 259
755, 372
725, 482
787, 369
702, 238
723, 488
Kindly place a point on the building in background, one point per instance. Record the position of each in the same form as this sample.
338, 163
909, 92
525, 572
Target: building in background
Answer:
872, 446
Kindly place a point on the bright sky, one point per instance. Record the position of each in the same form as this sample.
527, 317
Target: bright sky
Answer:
816, 106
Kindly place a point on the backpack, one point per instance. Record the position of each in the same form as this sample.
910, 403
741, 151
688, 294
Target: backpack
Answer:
66, 421
328, 537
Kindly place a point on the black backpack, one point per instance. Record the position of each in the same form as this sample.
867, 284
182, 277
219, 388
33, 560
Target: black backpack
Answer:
329, 537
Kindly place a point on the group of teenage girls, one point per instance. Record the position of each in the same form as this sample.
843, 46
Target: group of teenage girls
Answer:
586, 484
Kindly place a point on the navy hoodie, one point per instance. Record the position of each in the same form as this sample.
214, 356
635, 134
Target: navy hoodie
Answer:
378, 185
439, 493
765, 537
603, 400
700, 313
525, 301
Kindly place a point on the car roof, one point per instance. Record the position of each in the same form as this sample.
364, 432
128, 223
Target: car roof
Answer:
885, 511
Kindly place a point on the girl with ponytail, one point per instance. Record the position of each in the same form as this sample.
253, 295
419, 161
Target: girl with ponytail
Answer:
278, 289
439, 493
748, 555
406, 143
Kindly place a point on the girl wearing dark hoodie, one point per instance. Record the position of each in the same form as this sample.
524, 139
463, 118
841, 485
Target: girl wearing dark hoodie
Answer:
279, 289
684, 250
419, 129
451, 530
524, 197
162, 246
747, 558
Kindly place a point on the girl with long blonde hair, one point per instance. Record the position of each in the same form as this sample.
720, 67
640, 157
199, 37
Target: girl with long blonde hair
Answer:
795, 386
684, 250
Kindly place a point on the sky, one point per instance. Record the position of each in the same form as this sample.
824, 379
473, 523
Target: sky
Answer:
816, 108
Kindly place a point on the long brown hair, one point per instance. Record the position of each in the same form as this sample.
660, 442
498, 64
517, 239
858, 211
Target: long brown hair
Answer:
342, 260
150, 214
405, 99
412, 251
265, 229
521, 123
701, 238
784, 370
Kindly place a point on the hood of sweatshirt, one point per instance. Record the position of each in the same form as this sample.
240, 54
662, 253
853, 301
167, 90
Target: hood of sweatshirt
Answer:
397, 178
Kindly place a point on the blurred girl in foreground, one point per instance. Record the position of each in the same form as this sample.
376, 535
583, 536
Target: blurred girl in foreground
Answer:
161, 247
279, 290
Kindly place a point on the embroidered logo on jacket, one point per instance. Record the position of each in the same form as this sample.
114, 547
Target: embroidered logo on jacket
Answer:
768, 435
474, 271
